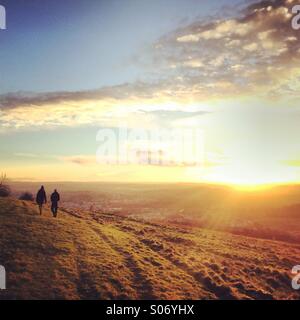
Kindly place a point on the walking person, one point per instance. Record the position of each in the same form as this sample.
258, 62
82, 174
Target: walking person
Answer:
41, 199
55, 197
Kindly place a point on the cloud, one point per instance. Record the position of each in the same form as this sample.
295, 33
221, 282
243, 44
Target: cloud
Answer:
80, 159
259, 40
26, 155
193, 63
255, 52
107, 107
251, 47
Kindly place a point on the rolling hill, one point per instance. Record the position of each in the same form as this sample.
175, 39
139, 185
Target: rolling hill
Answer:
105, 256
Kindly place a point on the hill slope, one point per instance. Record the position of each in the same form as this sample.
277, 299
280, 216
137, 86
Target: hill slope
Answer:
81, 256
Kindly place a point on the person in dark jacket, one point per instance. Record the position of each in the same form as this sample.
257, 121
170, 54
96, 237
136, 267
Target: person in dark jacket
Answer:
41, 199
55, 197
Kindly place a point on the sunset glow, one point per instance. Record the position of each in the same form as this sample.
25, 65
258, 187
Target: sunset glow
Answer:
236, 79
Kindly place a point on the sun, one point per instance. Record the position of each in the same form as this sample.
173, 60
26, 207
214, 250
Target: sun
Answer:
246, 176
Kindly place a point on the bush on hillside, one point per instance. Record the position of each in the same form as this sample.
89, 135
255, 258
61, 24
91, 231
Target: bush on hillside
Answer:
4, 188
26, 196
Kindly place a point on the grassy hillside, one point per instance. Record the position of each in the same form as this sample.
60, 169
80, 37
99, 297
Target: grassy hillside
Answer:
104, 256
271, 213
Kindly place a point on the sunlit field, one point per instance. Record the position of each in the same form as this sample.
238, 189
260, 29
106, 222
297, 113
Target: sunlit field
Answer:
146, 241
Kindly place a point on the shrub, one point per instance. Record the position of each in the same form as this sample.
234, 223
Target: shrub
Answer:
27, 196
4, 188
4, 191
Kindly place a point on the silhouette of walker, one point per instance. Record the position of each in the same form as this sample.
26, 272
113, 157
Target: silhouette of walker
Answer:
41, 199
54, 202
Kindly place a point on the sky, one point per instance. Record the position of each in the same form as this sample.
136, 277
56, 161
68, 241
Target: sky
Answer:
225, 70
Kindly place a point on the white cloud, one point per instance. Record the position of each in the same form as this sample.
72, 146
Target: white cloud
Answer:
251, 47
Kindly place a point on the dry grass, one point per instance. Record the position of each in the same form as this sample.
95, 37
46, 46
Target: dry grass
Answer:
105, 256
